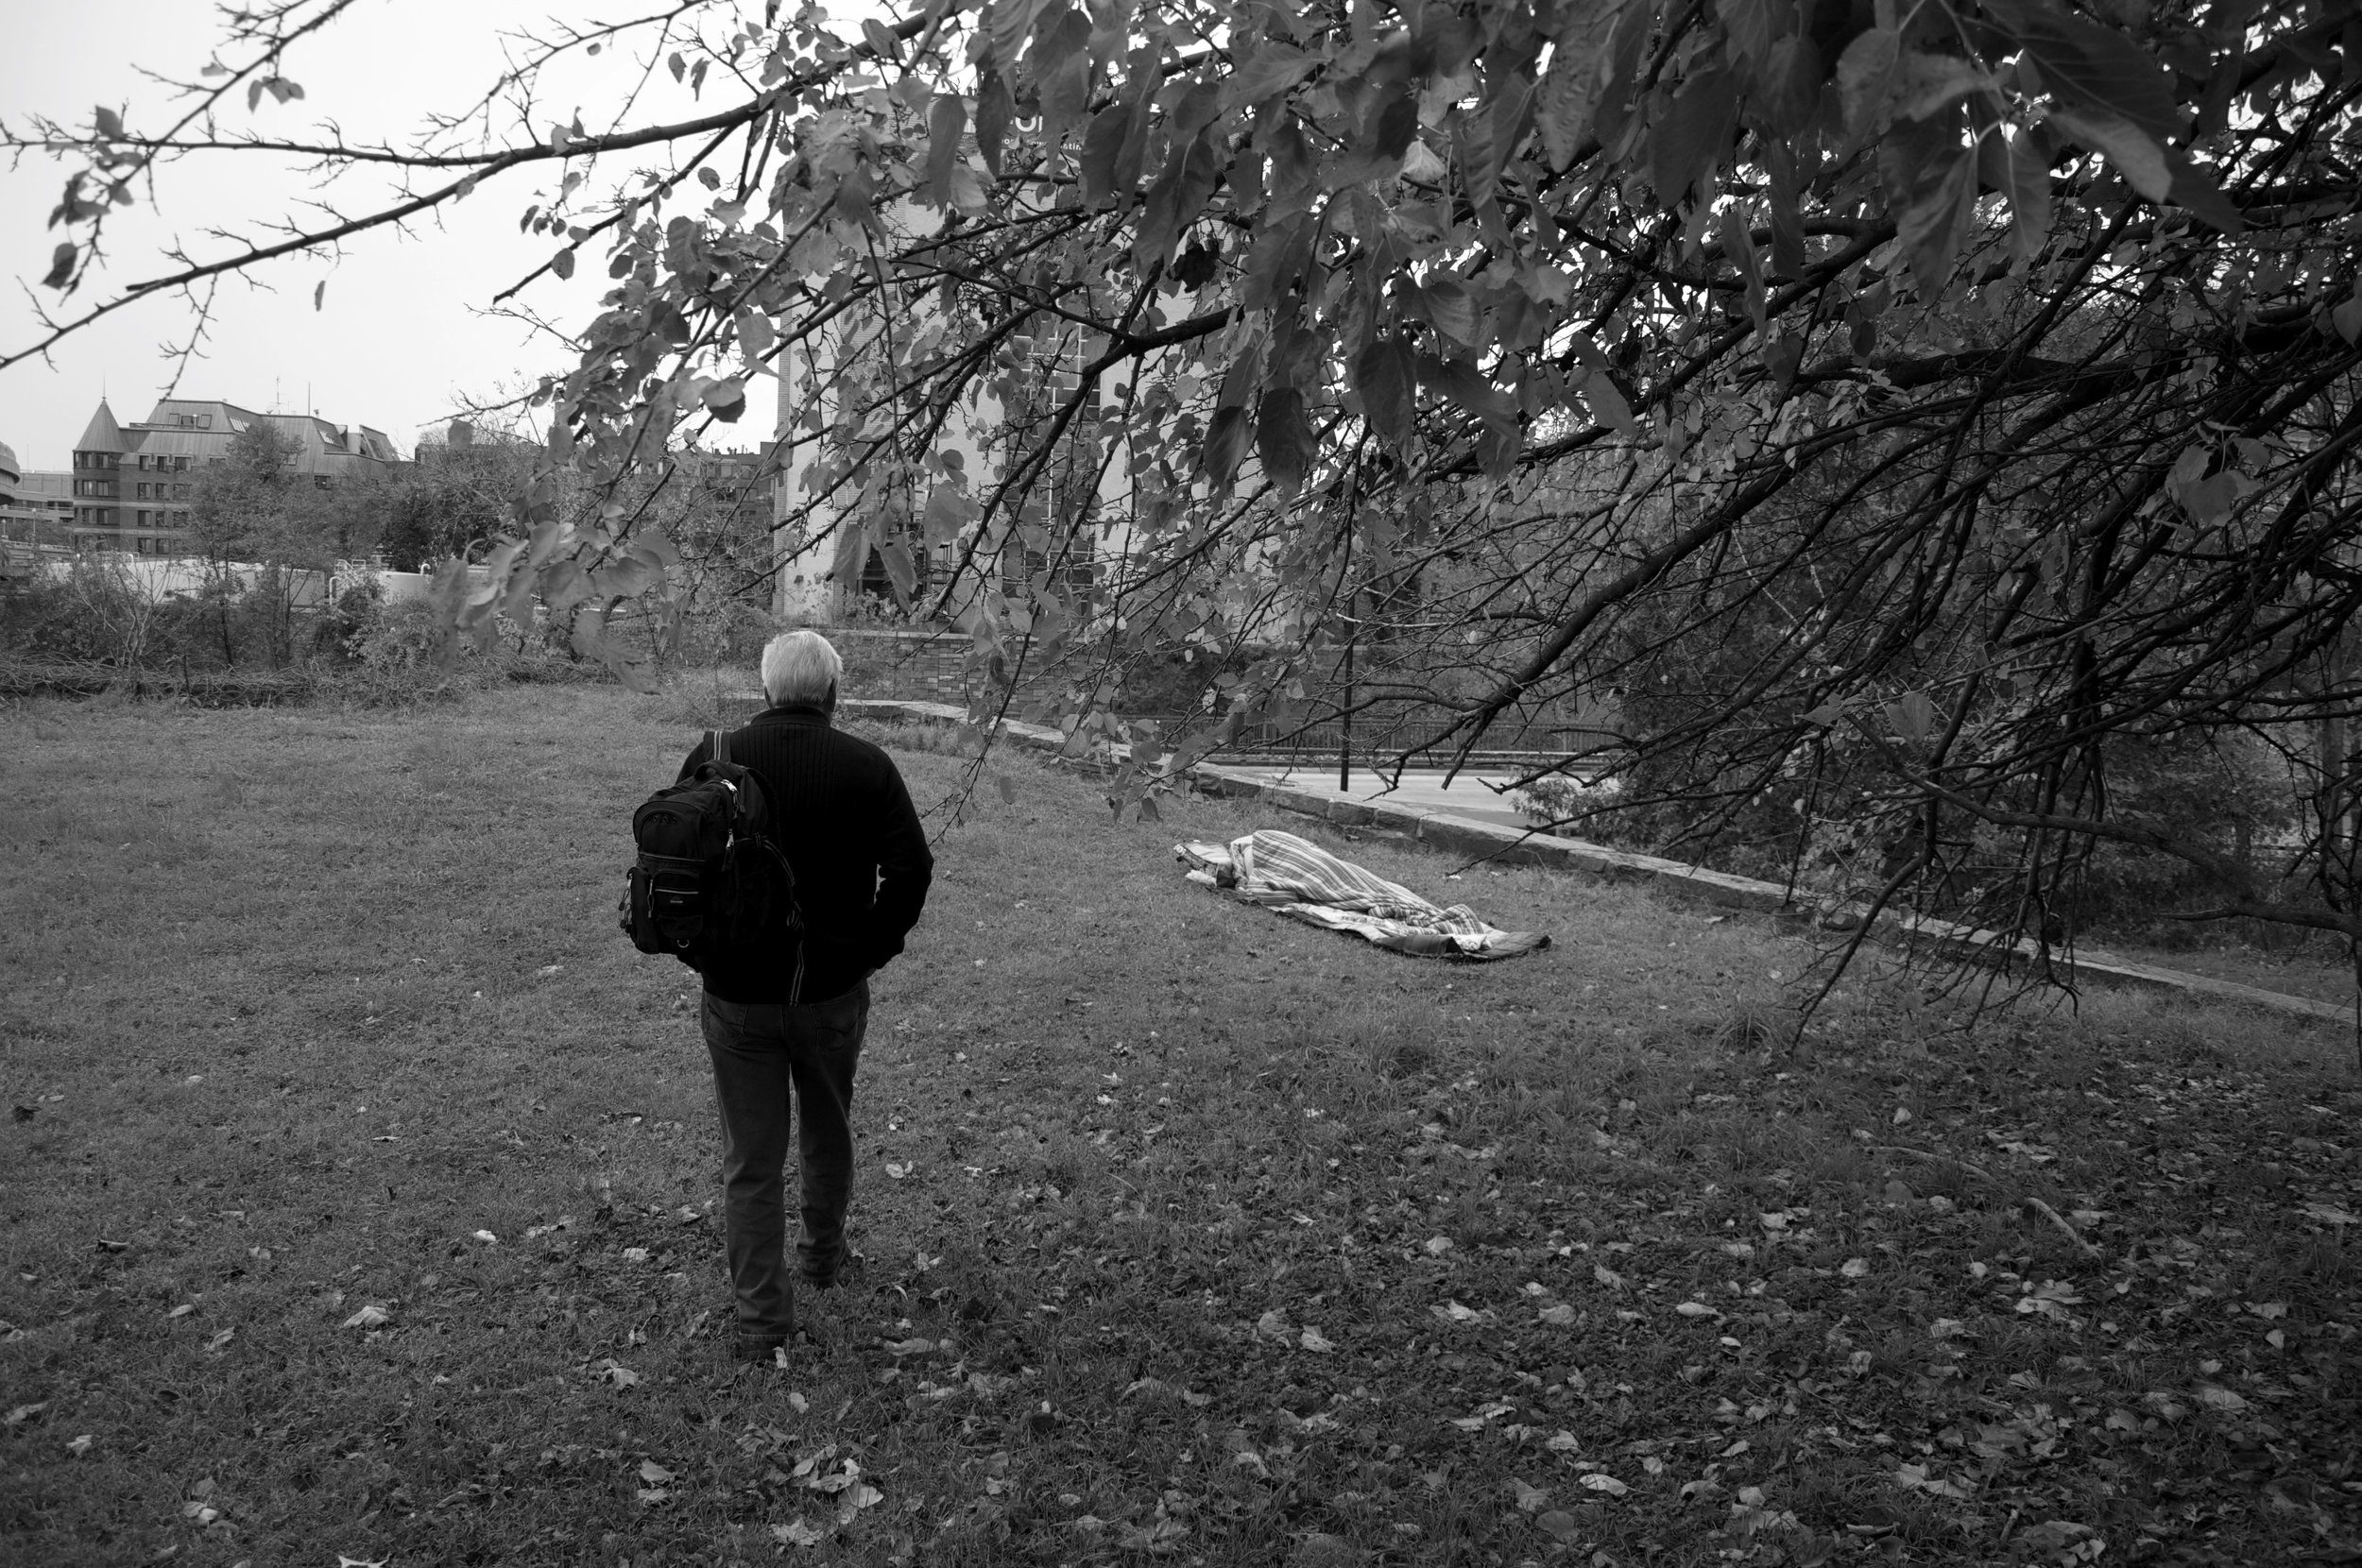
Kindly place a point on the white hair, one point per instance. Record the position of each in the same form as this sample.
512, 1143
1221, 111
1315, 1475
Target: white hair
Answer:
800, 667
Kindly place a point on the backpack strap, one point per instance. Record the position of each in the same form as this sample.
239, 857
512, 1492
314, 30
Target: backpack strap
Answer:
717, 745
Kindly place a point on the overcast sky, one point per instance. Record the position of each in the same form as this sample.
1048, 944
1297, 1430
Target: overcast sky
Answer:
401, 339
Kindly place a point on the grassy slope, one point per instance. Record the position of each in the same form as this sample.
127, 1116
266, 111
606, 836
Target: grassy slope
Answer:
280, 996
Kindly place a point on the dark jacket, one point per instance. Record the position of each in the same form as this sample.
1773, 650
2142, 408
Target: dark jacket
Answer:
840, 811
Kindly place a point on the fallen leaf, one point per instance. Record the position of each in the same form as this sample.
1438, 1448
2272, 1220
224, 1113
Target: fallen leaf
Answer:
79, 1446
799, 1533
1528, 1498
1855, 1267
2219, 1398
1561, 1316
1607, 1276
1558, 1526
898, 1171
370, 1316
218, 1340
654, 1474
615, 1373
1696, 1310
24, 1413
1315, 1341
485, 1236
1609, 1484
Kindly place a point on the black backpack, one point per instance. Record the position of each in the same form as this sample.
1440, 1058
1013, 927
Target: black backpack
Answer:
709, 883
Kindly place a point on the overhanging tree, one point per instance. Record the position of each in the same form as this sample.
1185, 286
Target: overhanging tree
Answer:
1909, 408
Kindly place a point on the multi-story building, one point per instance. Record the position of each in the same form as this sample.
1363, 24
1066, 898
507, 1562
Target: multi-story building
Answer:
41, 508
134, 484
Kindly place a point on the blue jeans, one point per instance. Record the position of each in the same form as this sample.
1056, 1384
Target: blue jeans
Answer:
764, 1054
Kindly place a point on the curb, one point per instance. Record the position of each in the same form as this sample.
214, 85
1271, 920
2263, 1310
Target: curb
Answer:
1513, 846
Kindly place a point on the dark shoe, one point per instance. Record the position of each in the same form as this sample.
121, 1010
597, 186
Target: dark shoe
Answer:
761, 1349
823, 1273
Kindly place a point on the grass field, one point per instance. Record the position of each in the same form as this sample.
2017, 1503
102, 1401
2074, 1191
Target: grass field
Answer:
359, 1204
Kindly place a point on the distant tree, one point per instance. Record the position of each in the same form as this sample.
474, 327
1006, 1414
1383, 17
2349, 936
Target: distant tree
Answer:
258, 528
452, 500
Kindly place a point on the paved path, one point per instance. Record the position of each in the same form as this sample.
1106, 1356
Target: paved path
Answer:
1471, 795
1482, 829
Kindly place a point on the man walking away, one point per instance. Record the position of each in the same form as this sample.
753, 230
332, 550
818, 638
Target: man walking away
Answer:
842, 815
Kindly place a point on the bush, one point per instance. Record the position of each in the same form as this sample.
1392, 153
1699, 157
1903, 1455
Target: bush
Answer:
91, 613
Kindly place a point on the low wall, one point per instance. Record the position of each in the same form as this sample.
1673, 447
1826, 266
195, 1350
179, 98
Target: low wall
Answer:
1510, 846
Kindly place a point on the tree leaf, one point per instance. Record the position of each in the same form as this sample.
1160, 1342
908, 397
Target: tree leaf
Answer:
1383, 377
2195, 189
2029, 195
1930, 180
1227, 442
1569, 95
995, 108
1609, 406
1911, 716
1176, 200
947, 117
1687, 141
2132, 152
902, 572
2098, 67
1925, 83
1865, 81
1451, 308
1265, 72
1102, 144
1283, 438
60, 265
947, 513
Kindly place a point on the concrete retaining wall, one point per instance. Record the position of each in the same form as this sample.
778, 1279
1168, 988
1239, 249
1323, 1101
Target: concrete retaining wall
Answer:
1510, 846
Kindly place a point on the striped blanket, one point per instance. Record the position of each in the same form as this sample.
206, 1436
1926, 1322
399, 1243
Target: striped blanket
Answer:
1303, 880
